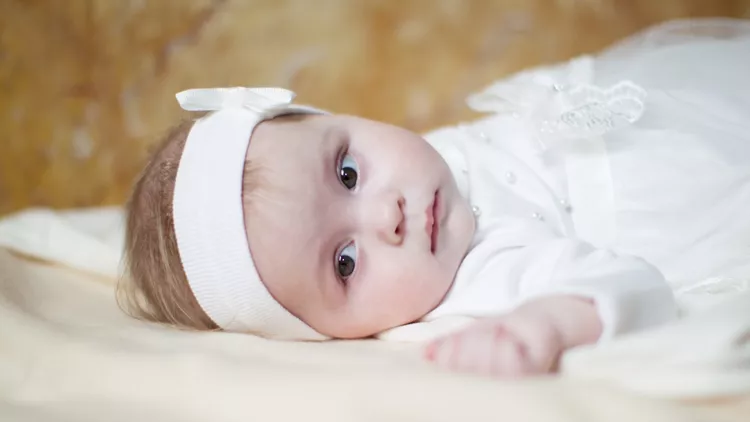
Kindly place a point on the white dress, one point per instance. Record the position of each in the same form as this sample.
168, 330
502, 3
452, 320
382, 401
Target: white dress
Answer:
623, 176
673, 186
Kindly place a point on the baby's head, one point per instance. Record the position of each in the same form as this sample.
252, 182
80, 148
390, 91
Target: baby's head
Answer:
288, 222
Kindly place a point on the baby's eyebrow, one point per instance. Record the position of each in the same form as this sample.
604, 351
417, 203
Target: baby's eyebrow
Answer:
324, 182
332, 140
325, 279
329, 136
329, 145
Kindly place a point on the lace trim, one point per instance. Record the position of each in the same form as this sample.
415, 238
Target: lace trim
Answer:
716, 286
560, 112
586, 110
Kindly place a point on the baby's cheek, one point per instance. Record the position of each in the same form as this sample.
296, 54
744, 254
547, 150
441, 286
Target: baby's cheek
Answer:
413, 291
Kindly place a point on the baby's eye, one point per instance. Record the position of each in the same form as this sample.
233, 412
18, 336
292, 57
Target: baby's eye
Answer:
346, 261
348, 172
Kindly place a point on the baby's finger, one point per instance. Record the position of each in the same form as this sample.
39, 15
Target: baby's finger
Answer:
430, 351
445, 350
475, 353
463, 352
509, 356
540, 342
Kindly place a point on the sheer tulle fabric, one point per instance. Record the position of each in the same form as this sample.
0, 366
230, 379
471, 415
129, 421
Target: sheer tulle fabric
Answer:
678, 155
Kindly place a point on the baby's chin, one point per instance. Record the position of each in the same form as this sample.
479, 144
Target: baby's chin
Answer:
374, 326
352, 331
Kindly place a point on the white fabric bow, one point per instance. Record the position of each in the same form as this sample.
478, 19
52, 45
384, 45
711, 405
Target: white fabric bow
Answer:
259, 100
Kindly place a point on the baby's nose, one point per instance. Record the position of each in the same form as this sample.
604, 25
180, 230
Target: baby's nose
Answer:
387, 217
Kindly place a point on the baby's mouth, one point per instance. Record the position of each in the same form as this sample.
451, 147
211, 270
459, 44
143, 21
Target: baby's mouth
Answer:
431, 225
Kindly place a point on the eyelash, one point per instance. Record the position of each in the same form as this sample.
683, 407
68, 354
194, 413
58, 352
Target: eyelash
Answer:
341, 157
345, 280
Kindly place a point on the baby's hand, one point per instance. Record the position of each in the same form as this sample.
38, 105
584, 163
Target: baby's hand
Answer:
527, 341
508, 346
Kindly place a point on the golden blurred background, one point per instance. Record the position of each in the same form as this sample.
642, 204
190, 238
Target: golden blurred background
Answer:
88, 85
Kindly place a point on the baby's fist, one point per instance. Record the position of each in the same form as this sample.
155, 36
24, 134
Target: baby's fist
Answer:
517, 344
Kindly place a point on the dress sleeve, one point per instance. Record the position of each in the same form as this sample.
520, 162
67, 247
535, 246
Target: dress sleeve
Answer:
629, 293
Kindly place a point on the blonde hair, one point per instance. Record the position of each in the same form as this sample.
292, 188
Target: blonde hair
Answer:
155, 287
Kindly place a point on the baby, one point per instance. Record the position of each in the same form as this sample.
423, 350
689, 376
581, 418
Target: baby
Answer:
553, 223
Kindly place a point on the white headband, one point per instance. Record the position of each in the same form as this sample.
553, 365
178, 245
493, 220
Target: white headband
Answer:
209, 221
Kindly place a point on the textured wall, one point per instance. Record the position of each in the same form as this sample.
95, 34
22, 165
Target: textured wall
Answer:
88, 85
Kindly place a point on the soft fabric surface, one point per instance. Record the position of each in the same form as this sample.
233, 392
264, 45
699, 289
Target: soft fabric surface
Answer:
68, 353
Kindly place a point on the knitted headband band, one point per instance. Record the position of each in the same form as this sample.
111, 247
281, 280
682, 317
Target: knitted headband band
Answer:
208, 214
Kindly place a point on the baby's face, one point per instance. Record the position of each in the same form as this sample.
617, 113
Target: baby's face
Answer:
357, 227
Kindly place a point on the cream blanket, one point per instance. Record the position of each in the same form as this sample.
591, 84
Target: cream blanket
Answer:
68, 354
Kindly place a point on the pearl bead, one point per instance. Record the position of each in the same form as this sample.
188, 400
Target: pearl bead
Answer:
537, 216
566, 205
558, 87
477, 212
510, 177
